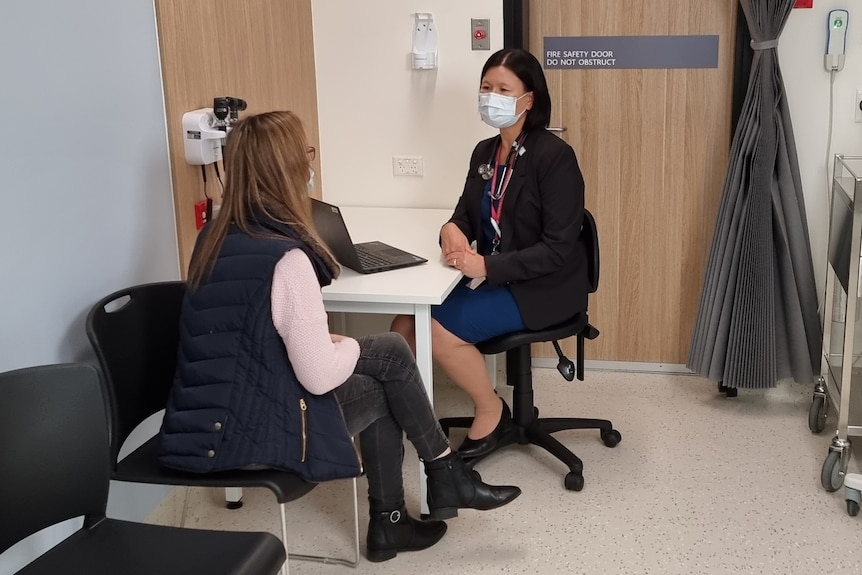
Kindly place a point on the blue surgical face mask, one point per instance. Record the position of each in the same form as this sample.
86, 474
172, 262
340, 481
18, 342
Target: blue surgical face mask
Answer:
499, 111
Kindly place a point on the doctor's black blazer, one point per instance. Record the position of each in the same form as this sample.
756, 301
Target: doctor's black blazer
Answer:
541, 257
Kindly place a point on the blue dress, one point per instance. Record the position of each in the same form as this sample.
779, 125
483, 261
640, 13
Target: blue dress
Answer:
475, 315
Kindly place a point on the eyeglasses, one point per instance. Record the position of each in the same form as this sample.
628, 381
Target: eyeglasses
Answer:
312, 153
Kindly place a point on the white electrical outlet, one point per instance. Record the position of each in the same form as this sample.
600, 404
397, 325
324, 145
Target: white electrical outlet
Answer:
858, 105
406, 165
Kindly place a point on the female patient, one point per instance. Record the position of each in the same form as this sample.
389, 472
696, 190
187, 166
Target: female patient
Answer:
260, 380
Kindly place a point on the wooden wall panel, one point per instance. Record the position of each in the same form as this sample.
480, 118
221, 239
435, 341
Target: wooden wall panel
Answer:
653, 146
258, 50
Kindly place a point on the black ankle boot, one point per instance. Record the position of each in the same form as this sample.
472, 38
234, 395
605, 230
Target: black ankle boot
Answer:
392, 531
452, 486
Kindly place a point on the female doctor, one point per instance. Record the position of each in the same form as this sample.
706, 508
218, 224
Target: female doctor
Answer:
523, 202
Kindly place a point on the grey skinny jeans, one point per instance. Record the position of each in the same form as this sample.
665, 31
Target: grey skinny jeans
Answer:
382, 400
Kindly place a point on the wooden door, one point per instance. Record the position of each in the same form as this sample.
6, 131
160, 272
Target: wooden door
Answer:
653, 146
259, 50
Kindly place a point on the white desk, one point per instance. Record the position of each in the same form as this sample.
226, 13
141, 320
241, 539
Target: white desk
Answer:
409, 291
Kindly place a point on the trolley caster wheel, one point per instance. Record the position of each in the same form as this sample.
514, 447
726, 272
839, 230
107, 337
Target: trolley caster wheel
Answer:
611, 438
234, 504
574, 481
831, 477
852, 493
817, 415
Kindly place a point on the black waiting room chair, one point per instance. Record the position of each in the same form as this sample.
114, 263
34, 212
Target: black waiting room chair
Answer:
54, 466
135, 334
528, 427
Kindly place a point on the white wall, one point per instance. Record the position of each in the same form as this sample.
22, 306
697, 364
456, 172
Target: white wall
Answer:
86, 191
801, 49
373, 106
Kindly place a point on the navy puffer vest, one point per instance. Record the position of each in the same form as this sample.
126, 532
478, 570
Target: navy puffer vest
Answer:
236, 400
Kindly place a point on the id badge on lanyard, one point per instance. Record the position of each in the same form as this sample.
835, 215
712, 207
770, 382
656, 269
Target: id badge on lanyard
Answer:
498, 190
498, 194
495, 245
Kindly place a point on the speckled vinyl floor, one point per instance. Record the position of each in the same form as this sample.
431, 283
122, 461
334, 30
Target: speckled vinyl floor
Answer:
699, 484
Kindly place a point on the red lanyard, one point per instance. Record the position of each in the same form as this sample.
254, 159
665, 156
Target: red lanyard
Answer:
498, 191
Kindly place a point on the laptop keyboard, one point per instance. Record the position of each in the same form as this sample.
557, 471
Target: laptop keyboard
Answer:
370, 260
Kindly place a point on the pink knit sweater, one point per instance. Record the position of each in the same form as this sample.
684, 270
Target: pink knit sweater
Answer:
321, 361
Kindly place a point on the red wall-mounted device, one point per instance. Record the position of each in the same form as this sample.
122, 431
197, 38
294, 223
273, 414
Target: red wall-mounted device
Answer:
201, 214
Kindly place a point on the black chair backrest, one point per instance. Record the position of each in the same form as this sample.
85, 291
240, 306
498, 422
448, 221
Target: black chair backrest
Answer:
135, 334
590, 238
54, 457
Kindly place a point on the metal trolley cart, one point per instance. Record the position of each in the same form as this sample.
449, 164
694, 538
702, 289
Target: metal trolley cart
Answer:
839, 374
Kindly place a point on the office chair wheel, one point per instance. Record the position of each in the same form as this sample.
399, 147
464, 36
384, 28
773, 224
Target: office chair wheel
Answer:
574, 481
233, 504
611, 438
852, 508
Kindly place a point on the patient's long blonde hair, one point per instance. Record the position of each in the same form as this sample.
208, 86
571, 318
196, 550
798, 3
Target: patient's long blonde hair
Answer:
266, 173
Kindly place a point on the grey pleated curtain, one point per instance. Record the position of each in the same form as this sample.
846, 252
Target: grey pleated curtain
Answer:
757, 320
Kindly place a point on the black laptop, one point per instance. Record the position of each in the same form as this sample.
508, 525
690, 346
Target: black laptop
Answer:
365, 258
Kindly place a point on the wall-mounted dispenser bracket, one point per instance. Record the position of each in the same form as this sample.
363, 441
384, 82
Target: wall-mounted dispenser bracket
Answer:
424, 42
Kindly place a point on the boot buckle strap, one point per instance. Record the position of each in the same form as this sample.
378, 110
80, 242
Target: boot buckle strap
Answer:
395, 516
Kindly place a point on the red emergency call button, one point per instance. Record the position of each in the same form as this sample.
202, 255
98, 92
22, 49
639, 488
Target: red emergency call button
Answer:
479, 34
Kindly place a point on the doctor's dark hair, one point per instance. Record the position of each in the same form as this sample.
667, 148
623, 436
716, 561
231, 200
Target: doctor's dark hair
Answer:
528, 69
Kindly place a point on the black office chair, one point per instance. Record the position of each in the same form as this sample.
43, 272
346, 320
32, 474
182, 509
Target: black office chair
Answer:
54, 466
528, 426
135, 334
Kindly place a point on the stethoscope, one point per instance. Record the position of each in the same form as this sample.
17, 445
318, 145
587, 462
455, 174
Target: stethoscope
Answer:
486, 170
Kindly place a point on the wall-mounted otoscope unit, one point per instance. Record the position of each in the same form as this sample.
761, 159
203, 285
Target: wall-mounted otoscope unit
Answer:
226, 111
204, 130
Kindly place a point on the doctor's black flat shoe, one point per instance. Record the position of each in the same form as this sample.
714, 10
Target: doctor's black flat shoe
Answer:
472, 449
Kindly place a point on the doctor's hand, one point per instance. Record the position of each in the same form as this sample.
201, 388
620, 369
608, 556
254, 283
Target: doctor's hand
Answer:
470, 263
452, 239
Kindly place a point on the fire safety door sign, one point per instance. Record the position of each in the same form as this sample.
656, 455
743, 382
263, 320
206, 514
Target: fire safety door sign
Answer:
626, 52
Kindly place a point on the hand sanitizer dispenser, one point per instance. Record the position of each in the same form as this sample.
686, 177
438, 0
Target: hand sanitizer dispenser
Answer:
836, 40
